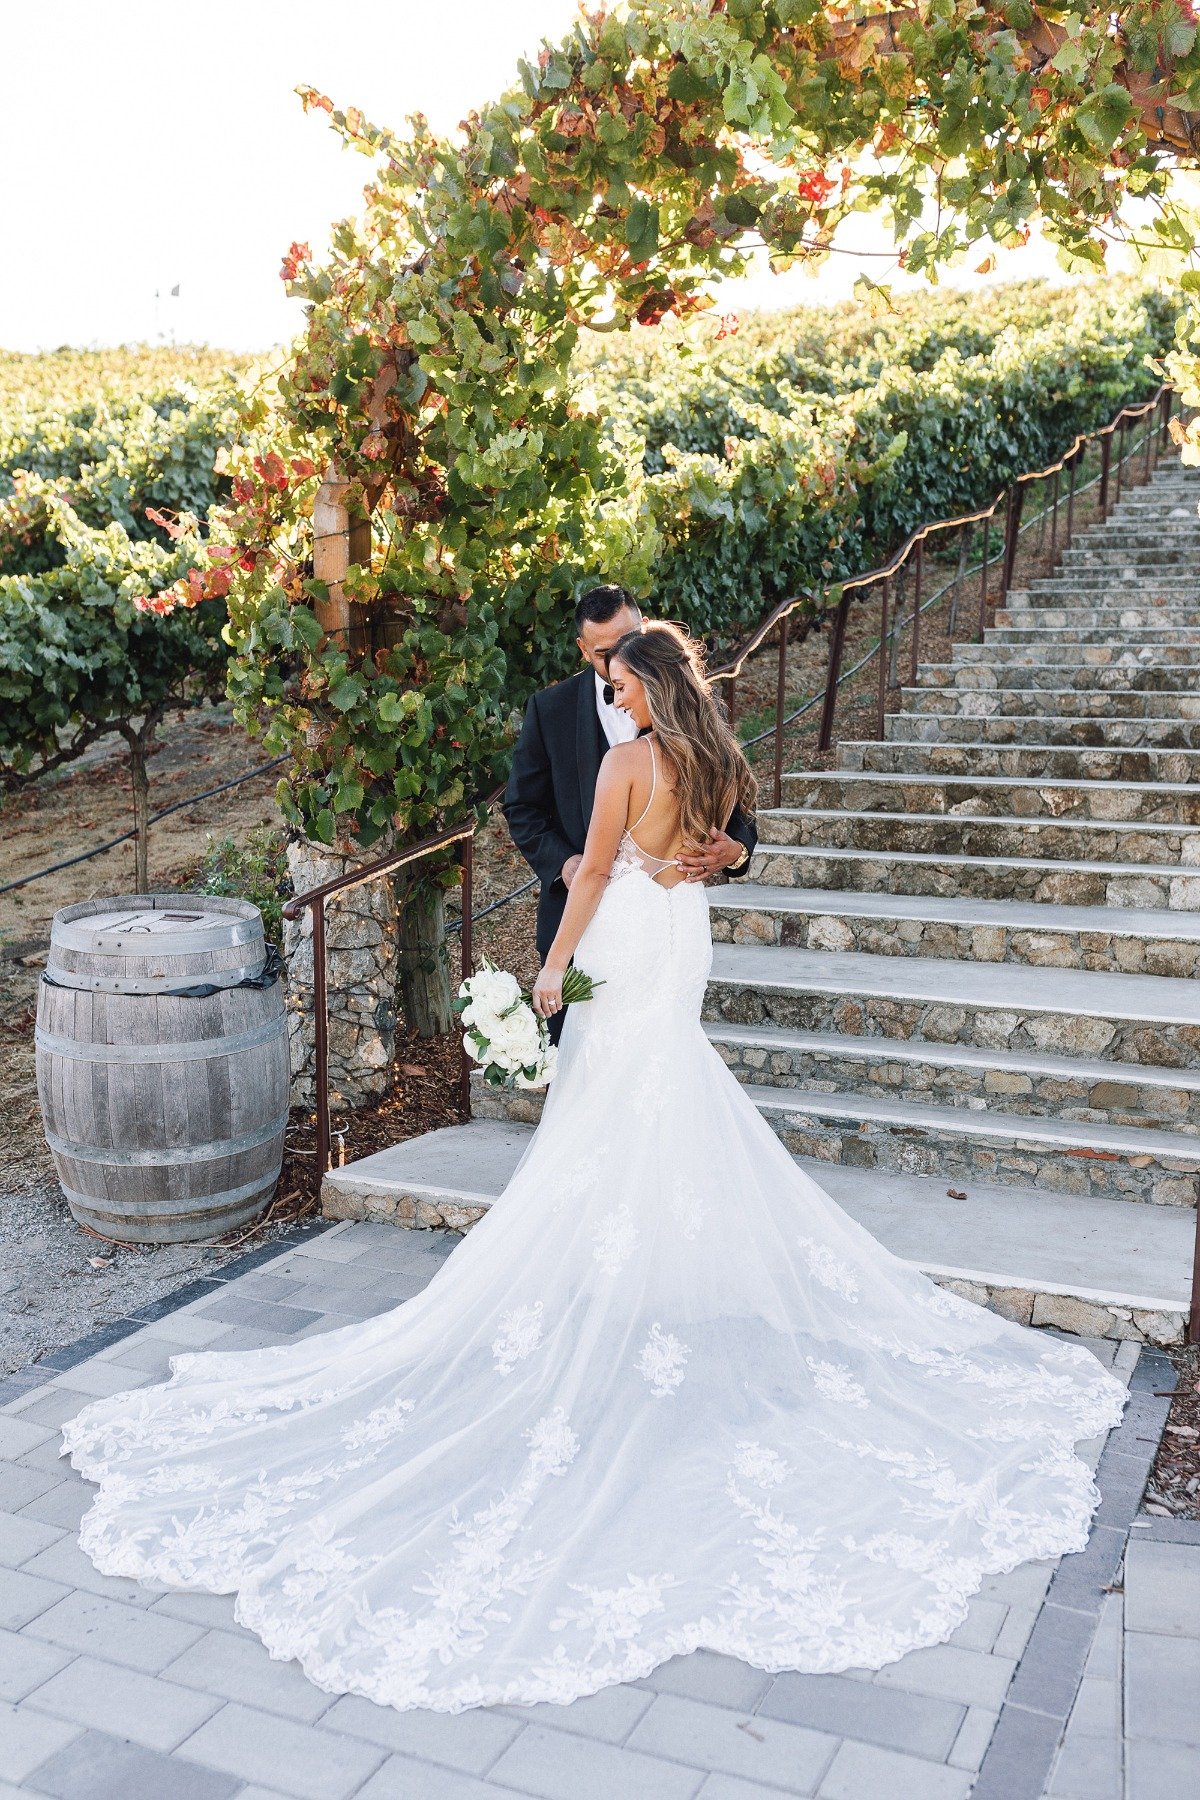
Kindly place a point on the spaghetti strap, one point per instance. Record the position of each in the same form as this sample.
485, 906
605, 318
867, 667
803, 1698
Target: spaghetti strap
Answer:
653, 785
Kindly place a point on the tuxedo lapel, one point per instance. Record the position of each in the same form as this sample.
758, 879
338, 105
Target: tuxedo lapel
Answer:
587, 743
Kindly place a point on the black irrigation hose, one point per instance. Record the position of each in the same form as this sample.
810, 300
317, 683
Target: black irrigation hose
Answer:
176, 806
456, 923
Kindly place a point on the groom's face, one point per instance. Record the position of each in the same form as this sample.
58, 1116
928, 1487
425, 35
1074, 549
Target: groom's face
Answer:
597, 642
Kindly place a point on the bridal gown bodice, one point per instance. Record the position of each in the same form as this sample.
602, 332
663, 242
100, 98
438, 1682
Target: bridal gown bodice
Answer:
664, 1394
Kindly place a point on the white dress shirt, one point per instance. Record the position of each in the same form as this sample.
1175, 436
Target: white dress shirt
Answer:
617, 726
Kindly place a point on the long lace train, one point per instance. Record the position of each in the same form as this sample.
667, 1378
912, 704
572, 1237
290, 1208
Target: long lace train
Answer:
664, 1395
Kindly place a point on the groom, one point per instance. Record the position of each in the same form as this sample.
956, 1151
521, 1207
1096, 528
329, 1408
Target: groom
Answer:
552, 783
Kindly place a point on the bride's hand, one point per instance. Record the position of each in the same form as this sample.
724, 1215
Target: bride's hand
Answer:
547, 992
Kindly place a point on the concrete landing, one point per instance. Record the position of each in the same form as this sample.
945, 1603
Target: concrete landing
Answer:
1083, 1263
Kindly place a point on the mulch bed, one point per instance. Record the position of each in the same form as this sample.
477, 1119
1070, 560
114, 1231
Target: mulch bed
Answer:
1174, 1488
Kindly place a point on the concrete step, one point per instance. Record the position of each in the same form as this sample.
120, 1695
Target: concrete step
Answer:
1118, 611
1151, 1019
958, 727
995, 674
1126, 940
1066, 651
1173, 846
1130, 587
1147, 558
1055, 702
992, 795
1081, 627
1057, 883
1028, 762
965, 1144
956, 1075
1097, 1266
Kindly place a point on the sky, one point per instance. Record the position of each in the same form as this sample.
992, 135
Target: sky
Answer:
148, 146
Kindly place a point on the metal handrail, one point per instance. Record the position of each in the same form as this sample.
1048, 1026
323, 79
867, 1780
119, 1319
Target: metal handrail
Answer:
313, 900
1011, 497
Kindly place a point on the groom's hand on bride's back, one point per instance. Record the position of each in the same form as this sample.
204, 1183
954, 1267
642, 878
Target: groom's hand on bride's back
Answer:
719, 851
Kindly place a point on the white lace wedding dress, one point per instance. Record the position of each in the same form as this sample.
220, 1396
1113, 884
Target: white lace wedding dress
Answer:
665, 1394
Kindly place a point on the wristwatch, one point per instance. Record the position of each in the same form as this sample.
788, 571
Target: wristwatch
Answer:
741, 862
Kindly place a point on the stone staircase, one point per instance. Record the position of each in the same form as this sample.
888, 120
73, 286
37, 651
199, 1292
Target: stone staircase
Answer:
960, 979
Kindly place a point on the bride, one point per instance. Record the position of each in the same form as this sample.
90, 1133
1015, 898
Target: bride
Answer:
664, 1394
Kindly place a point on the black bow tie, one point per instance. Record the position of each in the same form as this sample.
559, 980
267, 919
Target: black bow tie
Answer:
609, 694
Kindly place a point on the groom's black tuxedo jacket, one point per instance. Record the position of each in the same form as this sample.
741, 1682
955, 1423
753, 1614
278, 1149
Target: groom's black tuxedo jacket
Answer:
552, 785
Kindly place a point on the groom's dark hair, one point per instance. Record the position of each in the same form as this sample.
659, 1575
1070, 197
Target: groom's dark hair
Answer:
600, 604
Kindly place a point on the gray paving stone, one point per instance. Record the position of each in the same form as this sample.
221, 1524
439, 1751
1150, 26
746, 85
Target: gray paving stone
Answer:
1162, 1588
98, 1766
186, 1327
1051, 1669
947, 1672
1105, 1660
1013, 1635
213, 1611
732, 1787
28, 1738
706, 1675
970, 1746
1162, 1680
610, 1714
402, 1778
470, 1741
916, 1723
23, 1596
232, 1308
123, 1702
1157, 1771
712, 1738
19, 1436
151, 1355
1025, 1585
99, 1379
303, 1761
239, 1668
23, 1538
556, 1765
51, 1406
65, 1562
1088, 1768
1019, 1756
25, 1664
95, 1625
865, 1772
64, 1504
19, 1485
1097, 1709
981, 1626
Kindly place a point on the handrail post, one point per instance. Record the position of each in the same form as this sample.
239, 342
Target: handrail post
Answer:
1165, 435
916, 623
1075, 461
1012, 530
320, 1039
731, 703
467, 958
780, 695
837, 638
1121, 457
983, 576
885, 595
1054, 522
1149, 440
1105, 460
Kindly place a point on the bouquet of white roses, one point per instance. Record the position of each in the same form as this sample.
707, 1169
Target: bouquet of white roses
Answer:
503, 1033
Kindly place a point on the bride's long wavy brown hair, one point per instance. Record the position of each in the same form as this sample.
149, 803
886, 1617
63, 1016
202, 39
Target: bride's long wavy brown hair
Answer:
712, 775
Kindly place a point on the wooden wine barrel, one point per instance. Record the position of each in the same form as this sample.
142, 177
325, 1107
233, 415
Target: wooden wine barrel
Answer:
162, 1065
